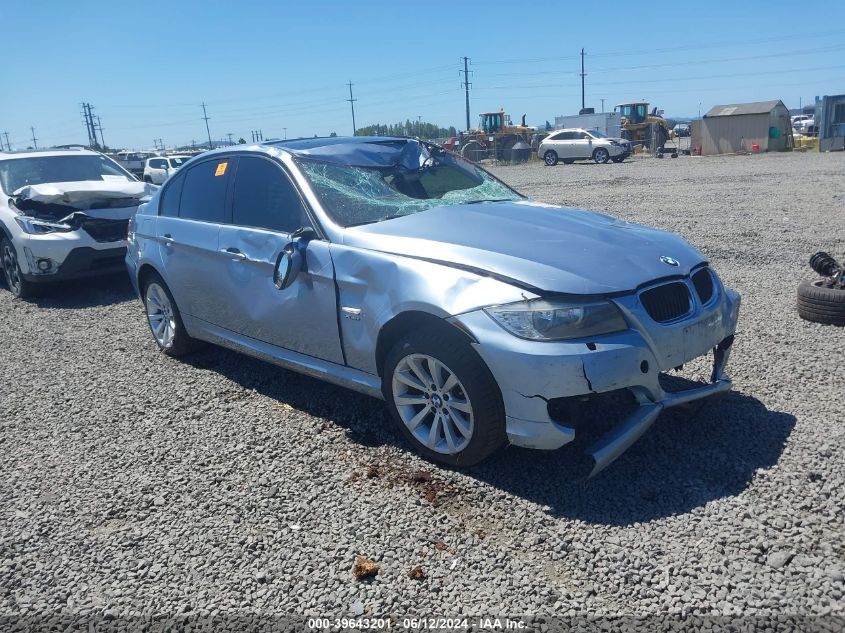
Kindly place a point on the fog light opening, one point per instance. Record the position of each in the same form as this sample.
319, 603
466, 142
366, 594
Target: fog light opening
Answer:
44, 265
644, 366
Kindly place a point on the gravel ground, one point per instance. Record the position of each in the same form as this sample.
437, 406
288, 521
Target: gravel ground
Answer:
138, 486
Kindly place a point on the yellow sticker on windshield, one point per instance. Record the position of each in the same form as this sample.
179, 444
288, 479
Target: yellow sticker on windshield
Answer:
221, 169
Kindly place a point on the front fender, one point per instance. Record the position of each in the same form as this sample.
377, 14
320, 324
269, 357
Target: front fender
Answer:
374, 287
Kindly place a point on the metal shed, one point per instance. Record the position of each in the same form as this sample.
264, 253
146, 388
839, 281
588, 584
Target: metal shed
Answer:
762, 126
830, 119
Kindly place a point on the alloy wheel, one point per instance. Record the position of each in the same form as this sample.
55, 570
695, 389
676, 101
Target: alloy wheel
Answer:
11, 269
433, 404
160, 315
601, 155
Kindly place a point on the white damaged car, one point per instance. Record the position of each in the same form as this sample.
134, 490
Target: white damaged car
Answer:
63, 215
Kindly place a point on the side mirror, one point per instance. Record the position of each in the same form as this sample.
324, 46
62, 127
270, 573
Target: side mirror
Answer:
288, 266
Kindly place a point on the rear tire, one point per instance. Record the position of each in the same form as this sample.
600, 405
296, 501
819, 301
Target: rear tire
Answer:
164, 319
471, 422
550, 158
819, 304
12, 273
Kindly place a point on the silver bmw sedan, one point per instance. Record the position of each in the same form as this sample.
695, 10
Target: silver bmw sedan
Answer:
395, 268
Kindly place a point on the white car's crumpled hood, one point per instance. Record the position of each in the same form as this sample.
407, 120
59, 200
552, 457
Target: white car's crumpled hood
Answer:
80, 194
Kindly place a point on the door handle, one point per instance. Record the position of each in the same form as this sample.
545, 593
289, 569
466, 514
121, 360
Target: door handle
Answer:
168, 240
234, 254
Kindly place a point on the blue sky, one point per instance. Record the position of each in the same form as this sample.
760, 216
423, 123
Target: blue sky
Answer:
146, 67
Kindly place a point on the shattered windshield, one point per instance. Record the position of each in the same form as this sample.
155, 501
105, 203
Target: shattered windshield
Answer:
37, 170
363, 195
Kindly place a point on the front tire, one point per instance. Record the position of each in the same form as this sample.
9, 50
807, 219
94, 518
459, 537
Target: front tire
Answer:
601, 155
18, 286
618, 159
164, 319
550, 158
443, 397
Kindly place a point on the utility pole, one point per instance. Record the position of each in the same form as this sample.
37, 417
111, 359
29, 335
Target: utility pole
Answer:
229, 134
286, 133
8, 147
34, 140
90, 127
205, 118
100, 127
466, 84
352, 103
602, 105
583, 74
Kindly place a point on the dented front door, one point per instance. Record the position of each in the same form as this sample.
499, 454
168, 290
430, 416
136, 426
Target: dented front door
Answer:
302, 317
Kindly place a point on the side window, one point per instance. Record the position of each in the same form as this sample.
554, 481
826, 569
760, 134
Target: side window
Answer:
157, 164
265, 198
169, 204
564, 136
204, 191
582, 136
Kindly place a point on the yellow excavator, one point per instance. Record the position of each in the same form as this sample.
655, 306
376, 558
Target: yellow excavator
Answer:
496, 137
641, 127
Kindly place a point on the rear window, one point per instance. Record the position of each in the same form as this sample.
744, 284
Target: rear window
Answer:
204, 191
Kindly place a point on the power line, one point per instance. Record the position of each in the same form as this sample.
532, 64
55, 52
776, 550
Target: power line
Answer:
205, 118
352, 104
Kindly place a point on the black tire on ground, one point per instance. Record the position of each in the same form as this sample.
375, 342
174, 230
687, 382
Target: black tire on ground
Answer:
12, 273
820, 304
550, 158
601, 155
453, 350
182, 344
618, 159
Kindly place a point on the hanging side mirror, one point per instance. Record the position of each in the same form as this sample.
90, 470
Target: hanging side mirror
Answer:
288, 266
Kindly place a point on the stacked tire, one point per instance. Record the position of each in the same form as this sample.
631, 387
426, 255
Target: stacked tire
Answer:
819, 303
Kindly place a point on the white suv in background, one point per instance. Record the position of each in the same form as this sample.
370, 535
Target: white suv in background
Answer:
574, 144
159, 168
63, 215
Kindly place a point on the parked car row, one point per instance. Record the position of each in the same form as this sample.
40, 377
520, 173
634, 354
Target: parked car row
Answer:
395, 268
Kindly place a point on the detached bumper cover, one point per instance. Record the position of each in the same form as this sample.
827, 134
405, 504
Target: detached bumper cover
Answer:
531, 373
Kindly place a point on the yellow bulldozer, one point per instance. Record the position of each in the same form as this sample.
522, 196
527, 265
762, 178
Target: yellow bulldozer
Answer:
496, 137
649, 130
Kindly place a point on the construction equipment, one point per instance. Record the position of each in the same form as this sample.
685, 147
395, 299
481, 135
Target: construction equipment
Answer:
638, 126
497, 138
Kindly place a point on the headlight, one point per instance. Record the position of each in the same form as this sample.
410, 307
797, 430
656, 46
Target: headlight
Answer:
40, 227
554, 321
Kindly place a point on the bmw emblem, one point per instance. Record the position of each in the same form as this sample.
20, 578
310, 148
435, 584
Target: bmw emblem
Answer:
669, 261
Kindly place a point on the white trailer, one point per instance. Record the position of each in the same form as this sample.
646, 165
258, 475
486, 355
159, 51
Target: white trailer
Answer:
609, 123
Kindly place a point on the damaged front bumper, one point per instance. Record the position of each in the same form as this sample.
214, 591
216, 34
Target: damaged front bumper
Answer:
531, 374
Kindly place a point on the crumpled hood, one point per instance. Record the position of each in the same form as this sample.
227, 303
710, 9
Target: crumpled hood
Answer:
550, 248
80, 194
